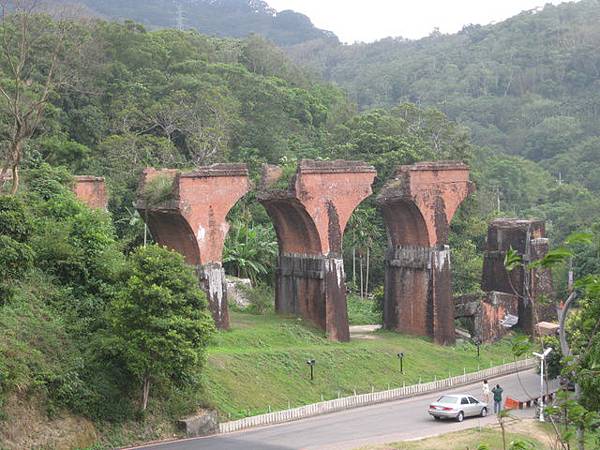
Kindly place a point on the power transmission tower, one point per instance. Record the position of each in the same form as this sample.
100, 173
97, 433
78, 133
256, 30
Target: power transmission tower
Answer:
179, 15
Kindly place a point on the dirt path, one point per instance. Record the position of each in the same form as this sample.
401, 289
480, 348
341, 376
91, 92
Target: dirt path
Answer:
363, 331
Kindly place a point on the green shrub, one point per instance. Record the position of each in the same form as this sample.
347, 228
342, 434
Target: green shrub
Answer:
46, 181
553, 360
261, 298
15, 219
16, 259
37, 355
289, 171
158, 190
362, 311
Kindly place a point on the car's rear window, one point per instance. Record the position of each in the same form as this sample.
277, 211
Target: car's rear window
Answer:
447, 399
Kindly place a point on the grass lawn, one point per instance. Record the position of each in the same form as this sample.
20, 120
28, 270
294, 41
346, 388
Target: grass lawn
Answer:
261, 362
472, 439
530, 432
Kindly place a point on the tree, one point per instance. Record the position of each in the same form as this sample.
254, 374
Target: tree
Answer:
31, 47
579, 342
160, 318
250, 251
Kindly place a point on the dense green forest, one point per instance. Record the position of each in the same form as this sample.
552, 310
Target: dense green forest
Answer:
233, 18
528, 86
108, 99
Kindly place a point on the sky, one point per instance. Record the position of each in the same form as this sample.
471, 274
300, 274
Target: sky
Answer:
369, 20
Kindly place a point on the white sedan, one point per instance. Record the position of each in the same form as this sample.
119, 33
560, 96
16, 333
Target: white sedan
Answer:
457, 406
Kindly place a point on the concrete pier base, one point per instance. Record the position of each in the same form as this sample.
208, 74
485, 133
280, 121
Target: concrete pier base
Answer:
417, 292
212, 279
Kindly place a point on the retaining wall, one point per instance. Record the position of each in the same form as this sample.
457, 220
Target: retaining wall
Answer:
356, 401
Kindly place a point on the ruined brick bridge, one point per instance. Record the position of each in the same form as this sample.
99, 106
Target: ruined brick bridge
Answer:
309, 213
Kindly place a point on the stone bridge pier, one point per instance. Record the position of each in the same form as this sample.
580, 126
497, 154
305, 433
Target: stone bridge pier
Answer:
91, 191
192, 221
528, 238
418, 205
309, 215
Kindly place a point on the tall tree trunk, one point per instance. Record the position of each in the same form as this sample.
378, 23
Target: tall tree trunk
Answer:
354, 266
15, 180
361, 275
146, 393
367, 274
15, 160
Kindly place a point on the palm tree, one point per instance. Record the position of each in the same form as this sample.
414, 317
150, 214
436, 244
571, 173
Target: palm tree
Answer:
250, 251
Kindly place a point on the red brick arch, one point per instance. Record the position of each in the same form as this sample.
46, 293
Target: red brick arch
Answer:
310, 216
418, 205
193, 222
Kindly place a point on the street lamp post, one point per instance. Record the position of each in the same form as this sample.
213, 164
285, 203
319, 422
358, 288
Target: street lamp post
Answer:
401, 357
311, 363
542, 357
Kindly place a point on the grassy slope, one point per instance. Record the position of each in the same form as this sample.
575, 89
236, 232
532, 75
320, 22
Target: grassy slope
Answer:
262, 362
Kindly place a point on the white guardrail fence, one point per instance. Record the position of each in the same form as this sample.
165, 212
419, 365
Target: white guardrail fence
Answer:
355, 401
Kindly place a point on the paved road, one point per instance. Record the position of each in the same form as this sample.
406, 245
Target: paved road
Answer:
377, 424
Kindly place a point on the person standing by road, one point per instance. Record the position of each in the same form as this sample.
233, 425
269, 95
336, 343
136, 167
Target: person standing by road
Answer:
497, 391
486, 392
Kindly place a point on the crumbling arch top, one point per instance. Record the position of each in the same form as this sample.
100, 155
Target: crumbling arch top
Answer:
201, 200
436, 189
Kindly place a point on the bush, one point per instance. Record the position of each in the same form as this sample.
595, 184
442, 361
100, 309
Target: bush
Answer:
36, 353
288, 173
15, 220
158, 190
16, 260
47, 181
261, 298
16, 256
362, 311
553, 364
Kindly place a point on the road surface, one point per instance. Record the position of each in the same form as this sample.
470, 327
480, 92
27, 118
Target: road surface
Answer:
377, 424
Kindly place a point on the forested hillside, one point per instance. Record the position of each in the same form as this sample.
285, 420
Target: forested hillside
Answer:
234, 18
108, 99
528, 86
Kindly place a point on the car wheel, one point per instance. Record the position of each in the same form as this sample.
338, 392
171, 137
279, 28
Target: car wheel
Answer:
436, 417
483, 412
460, 416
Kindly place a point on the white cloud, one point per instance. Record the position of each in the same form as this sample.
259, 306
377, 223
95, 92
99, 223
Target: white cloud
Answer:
369, 20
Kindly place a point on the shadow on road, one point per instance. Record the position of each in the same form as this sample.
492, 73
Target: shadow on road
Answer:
215, 443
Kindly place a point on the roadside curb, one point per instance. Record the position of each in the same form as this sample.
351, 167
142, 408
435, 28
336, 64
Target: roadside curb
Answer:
356, 401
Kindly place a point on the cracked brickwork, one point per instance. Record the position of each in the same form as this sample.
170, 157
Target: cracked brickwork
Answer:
91, 191
309, 218
486, 313
418, 205
192, 221
527, 238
